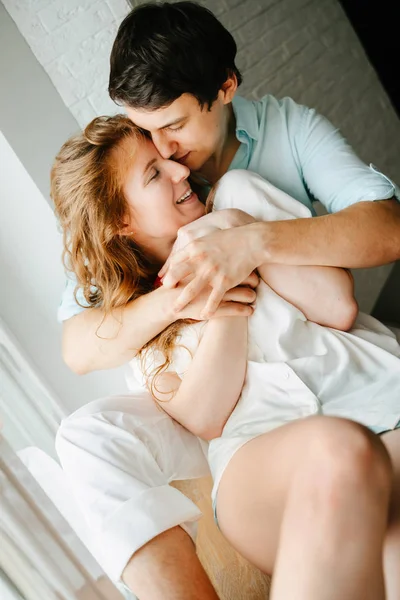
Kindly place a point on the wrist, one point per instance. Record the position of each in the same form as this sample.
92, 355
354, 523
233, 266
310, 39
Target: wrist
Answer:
259, 243
166, 299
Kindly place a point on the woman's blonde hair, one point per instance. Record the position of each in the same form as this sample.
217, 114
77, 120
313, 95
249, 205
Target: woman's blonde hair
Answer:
87, 180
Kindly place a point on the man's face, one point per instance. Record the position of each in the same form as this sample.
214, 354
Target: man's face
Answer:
184, 131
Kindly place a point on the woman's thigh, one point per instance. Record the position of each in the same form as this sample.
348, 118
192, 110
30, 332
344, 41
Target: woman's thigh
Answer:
254, 488
392, 545
391, 440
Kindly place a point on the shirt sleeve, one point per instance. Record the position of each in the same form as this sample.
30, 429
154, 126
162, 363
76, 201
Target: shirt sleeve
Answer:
331, 170
69, 307
119, 463
251, 193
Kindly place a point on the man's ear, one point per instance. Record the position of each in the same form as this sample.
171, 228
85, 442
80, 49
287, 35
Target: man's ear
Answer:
229, 88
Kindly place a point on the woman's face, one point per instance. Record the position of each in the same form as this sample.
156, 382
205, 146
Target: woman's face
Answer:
159, 197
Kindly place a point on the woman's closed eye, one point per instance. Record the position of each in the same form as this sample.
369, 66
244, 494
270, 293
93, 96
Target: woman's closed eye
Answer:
175, 128
154, 175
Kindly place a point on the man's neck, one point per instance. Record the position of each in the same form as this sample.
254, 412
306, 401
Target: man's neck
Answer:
218, 164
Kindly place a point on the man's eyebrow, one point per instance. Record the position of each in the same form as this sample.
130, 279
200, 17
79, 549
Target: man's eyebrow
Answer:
178, 120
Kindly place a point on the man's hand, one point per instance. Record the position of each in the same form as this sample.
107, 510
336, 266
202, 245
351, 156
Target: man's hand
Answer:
220, 260
236, 302
222, 219
186, 261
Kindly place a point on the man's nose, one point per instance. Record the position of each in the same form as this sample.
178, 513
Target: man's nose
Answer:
165, 147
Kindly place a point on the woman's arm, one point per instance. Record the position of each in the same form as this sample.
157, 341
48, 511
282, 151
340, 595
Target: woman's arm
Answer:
324, 294
210, 389
93, 340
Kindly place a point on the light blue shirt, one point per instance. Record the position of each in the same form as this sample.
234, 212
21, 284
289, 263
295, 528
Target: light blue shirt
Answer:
301, 153
298, 151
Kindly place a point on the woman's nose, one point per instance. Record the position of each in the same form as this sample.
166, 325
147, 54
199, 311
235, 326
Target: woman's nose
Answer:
178, 172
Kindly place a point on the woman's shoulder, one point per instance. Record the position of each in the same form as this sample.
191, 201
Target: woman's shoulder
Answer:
251, 193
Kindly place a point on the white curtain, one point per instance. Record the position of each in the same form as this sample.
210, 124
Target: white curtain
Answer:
39, 552
30, 412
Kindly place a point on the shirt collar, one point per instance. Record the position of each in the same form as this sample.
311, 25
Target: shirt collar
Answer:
246, 117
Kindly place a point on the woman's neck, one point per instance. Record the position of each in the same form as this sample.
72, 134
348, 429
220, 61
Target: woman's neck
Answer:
156, 250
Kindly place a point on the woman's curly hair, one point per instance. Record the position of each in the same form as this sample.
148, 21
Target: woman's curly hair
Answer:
87, 180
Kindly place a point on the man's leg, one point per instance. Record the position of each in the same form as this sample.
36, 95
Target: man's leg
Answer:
167, 568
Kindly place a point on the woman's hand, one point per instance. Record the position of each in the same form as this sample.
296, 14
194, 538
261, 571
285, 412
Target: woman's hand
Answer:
205, 262
236, 302
217, 262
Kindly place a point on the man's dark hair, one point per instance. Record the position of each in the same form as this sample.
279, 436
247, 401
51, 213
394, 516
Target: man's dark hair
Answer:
163, 50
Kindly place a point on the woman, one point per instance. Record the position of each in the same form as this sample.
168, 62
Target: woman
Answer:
120, 219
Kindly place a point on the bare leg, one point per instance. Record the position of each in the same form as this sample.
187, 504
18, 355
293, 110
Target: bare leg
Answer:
392, 541
167, 568
310, 500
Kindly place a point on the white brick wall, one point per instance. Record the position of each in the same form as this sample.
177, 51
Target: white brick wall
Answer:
306, 49
72, 40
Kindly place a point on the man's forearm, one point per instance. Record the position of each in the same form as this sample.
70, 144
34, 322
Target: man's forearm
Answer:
93, 341
366, 234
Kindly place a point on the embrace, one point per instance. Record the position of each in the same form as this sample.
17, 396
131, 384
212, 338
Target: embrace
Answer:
195, 257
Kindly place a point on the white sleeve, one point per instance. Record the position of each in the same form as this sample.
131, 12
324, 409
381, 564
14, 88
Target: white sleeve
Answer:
256, 196
119, 455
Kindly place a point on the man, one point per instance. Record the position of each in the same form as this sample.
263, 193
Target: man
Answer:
173, 70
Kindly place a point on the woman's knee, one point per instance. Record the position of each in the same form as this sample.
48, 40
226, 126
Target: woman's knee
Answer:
346, 456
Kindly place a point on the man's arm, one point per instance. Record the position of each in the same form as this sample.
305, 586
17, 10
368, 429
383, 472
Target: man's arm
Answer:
93, 340
365, 234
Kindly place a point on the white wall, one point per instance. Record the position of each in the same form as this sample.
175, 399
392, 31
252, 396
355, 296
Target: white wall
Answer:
33, 117
72, 40
32, 280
